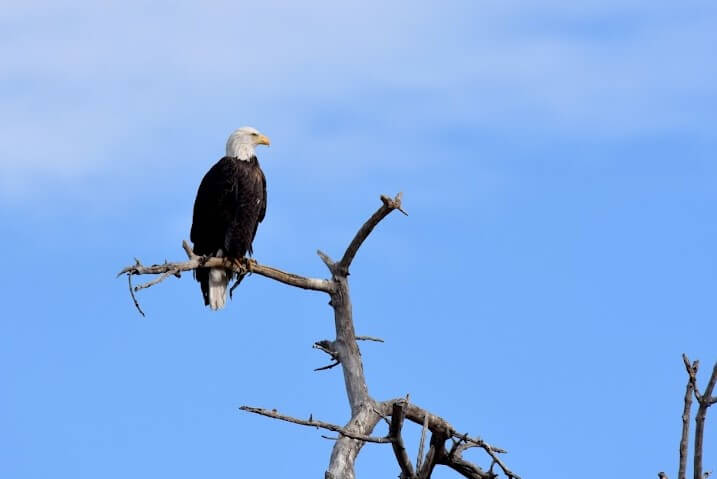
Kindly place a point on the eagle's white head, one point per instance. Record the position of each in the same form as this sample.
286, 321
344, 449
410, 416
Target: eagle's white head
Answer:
241, 143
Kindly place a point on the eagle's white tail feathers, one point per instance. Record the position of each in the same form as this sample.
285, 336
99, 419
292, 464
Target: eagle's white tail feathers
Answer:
218, 281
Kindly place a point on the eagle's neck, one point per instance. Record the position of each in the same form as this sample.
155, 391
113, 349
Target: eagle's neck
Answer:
240, 151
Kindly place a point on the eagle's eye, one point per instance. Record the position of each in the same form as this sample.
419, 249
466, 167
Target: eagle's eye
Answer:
254, 134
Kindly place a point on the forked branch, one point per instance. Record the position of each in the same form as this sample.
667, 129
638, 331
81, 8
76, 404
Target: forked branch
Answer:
704, 400
365, 411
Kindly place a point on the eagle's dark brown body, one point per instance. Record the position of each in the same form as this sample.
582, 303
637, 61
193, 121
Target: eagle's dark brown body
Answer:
230, 204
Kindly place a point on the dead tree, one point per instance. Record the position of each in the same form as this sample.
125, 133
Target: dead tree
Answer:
704, 401
366, 411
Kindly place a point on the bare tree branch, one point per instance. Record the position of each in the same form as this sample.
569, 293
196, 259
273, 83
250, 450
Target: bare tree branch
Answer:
157, 280
438, 424
389, 204
684, 440
465, 468
369, 338
363, 408
399, 449
319, 424
241, 267
327, 346
345, 451
436, 448
705, 400
131, 293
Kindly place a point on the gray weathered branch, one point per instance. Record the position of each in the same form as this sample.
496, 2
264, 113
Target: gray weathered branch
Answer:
389, 204
689, 390
319, 424
363, 407
394, 431
240, 267
705, 400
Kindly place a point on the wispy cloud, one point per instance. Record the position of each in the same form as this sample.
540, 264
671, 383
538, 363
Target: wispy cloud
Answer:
83, 78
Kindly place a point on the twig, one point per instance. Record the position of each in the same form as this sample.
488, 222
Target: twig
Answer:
422, 443
157, 280
313, 422
326, 260
328, 366
327, 346
369, 338
496, 459
131, 293
237, 282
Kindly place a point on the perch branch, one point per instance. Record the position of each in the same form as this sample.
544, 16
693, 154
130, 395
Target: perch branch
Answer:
241, 267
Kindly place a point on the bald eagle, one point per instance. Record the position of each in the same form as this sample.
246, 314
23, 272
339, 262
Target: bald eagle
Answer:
230, 204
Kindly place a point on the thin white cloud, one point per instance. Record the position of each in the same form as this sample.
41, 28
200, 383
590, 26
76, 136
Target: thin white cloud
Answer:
82, 77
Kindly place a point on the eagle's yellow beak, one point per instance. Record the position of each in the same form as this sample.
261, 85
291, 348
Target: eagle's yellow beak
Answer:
262, 140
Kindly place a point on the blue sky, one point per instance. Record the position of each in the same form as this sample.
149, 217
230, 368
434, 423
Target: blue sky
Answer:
557, 163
